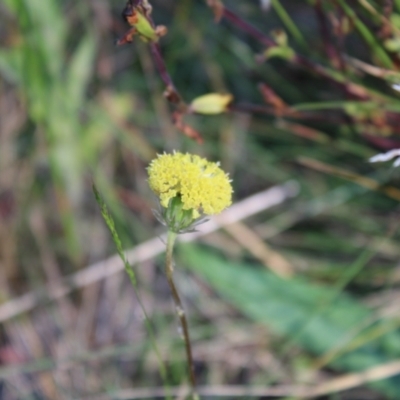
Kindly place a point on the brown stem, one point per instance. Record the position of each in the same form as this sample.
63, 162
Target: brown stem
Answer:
332, 52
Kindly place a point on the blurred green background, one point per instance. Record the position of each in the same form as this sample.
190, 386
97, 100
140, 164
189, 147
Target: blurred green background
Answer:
315, 95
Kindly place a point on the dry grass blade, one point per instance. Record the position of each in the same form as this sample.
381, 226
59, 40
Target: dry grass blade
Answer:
147, 250
261, 250
336, 385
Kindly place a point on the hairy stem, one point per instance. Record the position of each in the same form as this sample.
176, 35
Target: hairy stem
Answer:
169, 270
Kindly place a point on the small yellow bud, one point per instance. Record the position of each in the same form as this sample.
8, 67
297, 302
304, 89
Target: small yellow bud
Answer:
212, 103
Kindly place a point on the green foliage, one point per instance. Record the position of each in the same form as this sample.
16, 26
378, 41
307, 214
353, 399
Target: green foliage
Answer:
314, 97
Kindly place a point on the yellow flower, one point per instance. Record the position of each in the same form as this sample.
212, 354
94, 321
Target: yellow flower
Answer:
202, 186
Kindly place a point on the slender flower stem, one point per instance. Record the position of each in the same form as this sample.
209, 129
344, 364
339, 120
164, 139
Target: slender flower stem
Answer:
169, 270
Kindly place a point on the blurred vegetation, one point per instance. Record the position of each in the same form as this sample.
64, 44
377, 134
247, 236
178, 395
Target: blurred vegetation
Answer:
316, 93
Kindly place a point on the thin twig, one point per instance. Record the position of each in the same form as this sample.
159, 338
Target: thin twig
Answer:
172, 93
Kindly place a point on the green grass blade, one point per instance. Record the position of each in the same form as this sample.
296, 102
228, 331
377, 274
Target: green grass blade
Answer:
111, 226
369, 38
80, 71
289, 23
117, 241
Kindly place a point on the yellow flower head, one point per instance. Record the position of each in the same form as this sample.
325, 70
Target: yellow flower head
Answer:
202, 186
